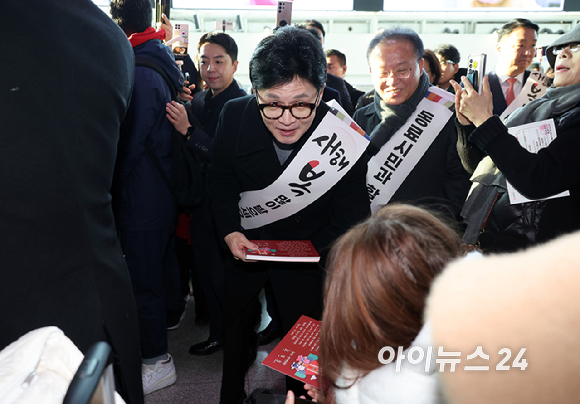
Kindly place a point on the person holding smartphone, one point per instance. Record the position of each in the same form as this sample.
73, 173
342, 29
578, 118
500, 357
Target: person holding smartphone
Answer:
494, 156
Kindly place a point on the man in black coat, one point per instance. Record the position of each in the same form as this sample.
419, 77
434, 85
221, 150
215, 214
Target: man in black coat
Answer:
61, 263
437, 180
257, 138
516, 48
336, 65
218, 62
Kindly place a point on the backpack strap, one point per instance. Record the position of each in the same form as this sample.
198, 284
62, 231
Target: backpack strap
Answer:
146, 62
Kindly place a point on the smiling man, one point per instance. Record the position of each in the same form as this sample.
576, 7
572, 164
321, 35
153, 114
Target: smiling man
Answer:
516, 47
258, 140
449, 58
412, 156
218, 62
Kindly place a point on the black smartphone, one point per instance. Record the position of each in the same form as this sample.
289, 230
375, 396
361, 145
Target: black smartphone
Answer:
476, 70
299, 400
162, 7
94, 381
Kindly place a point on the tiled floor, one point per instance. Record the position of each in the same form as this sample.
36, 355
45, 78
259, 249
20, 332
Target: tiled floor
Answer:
199, 377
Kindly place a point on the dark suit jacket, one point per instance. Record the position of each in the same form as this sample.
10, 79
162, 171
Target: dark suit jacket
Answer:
245, 159
353, 92
206, 111
499, 102
438, 180
61, 263
337, 83
330, 94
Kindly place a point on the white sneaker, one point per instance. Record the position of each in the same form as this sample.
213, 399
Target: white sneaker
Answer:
158, 376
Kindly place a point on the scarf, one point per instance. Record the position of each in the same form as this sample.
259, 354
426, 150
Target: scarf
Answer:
394, 116
556, 102
488, 181
139, 38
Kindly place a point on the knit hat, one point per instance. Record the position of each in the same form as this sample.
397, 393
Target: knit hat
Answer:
571, 36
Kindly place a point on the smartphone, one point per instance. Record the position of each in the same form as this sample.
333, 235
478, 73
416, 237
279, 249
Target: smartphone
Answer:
180, 47
94, 381
299, 400
284, 13
162, 7
476, 70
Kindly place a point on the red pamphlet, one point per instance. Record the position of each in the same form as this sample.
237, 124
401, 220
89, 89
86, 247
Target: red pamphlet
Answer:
297, 354
283, 250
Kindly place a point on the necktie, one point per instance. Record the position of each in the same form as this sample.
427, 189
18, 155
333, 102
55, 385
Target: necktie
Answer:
509, 97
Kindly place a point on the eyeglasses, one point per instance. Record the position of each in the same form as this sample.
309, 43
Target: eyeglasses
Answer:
446, 62
274, 110
399, 73
574, 47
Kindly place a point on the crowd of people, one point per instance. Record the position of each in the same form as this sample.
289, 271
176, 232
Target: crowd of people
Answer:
113, 255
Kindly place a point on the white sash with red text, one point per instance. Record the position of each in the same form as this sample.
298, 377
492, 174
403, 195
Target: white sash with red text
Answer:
392, 164
333, 148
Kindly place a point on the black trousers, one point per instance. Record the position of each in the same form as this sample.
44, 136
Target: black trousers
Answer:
150, 256
208, 259
297, 289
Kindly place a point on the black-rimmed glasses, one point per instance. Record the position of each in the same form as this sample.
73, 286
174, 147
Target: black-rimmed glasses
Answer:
274, 110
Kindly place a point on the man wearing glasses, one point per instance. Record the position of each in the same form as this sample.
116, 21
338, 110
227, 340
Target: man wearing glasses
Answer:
257, 140
515, 48
449, 58
412, 155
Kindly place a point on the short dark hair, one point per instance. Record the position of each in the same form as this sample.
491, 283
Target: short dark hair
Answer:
317, 24
339, 55
515, 24
398, 34
288, 53
448, 52
431, 59
313, 31
222, 39
131, 15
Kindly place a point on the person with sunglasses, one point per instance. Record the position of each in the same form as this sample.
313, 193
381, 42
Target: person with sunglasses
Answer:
410, 159
257, 139
512, 226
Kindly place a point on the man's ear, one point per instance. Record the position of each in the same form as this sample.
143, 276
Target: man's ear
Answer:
421, 64
343, 70
455, 68
235, 66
